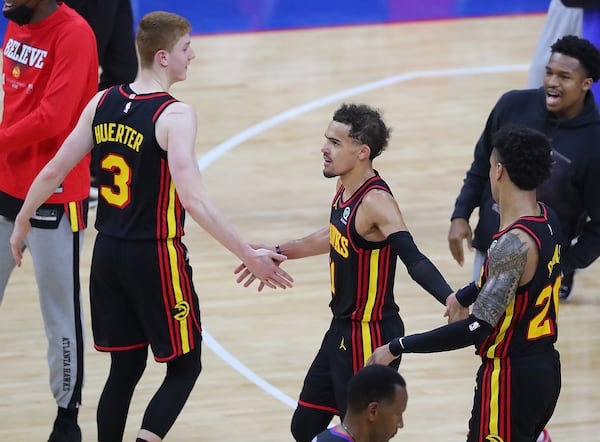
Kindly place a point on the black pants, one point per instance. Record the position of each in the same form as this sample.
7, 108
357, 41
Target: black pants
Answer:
112, 23
515, 397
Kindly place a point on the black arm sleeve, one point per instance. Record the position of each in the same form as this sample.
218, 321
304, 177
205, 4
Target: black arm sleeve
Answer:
477, 178
587, 187
587, 248
419, 267
460, 334
585, 251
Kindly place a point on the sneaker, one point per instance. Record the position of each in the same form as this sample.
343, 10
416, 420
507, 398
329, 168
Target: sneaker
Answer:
566, 287
65, 430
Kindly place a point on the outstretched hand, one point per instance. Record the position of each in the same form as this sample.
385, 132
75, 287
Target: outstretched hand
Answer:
264, 265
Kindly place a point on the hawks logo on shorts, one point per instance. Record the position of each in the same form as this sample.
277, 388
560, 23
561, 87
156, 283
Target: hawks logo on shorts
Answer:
181, 310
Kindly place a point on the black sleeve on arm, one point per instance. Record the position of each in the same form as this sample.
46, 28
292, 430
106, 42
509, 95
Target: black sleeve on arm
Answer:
585, 251
587, 248
477, 177
460, 334
419, 267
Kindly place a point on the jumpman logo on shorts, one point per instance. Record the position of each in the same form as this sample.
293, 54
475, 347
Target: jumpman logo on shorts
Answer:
342, 345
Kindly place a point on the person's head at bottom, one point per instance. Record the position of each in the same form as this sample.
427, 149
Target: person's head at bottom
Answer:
377, 399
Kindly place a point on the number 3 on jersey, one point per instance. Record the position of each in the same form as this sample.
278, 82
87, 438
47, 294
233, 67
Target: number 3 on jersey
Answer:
118, 194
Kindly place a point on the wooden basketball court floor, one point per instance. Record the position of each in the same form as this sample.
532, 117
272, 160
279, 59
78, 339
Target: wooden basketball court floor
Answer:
264, 101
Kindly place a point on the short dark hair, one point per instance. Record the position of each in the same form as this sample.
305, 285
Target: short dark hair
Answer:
525, 153
366, 126
582, 50
373, 383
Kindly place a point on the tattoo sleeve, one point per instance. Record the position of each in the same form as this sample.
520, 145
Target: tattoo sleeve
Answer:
506, 265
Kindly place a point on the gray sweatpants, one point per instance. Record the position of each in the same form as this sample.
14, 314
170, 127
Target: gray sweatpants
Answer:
560, 21
55, 254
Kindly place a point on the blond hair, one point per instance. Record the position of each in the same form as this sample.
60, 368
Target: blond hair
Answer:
157, 31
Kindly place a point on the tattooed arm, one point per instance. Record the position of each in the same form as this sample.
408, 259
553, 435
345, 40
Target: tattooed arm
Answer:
507, 265
512, 263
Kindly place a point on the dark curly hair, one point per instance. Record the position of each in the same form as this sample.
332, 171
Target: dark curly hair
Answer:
366, 126
525, 153
582, 50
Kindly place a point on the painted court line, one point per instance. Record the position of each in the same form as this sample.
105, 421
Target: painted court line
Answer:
252, 131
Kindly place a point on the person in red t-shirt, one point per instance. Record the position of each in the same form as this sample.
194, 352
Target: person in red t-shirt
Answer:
49, 71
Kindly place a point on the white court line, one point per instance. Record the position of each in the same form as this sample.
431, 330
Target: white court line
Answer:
252, 131
245, 371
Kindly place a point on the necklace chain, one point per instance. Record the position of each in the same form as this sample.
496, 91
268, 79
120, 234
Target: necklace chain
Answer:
348, 431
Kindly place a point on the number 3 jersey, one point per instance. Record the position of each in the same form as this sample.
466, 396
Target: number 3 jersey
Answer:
136, 194
529, 324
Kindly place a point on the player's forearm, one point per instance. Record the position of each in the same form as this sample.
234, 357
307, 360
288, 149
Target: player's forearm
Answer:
316, 243
460, 334
419, 267
212, 220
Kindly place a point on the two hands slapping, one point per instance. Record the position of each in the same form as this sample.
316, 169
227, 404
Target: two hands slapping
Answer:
264, 265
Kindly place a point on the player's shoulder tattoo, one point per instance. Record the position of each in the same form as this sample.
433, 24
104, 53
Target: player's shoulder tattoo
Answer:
508, 257
508, 253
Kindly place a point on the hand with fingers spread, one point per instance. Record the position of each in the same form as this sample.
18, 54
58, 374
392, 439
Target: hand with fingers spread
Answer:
264, 266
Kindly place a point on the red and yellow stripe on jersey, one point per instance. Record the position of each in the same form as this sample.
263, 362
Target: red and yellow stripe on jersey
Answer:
496, 395
362, 274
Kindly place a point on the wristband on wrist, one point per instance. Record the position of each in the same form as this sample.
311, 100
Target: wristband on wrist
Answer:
395, 346
466, 295
278, 249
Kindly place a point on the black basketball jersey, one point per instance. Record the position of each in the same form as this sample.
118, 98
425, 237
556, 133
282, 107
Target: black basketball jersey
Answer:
529, 324
136, 195
362, 272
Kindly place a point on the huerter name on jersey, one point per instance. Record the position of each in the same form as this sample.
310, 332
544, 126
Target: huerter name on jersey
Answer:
118, 133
